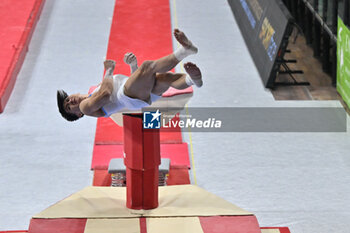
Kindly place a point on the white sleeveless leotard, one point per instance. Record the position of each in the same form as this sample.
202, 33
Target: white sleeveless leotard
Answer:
119, 101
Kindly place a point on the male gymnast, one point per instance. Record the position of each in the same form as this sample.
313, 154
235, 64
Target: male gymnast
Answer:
145, 85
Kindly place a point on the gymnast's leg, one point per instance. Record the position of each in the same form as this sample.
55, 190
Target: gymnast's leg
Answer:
167, 63
178, 80
142, 81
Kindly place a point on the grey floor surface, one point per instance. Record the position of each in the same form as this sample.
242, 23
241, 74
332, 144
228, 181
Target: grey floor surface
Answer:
43, 157
299, 180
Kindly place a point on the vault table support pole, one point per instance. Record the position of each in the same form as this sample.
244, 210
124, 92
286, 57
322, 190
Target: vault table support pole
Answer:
142, 160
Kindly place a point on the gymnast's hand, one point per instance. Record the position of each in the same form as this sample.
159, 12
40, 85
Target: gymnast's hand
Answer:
109, 67
130, 59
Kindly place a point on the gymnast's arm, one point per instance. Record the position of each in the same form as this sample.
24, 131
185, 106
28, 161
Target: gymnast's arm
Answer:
92, 106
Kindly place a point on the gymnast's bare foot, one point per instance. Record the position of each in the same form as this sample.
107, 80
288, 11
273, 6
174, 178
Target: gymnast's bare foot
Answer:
109, 66
194, 72
184, 41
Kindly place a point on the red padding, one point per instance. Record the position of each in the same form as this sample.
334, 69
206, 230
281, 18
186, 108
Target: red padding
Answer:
92, 88
150, 31
102, 154
177, 153
57, 225
230, 224
282, 229
101, 178
171, 135
178, 175
109, 133
12, 231
17, 22
172, 92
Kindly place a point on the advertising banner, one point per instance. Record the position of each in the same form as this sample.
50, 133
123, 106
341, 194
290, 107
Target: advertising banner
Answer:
264, 26
343, 61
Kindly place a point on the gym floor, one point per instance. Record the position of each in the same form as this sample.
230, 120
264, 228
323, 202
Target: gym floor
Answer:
298, 180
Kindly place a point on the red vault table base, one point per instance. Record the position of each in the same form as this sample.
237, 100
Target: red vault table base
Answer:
142, 160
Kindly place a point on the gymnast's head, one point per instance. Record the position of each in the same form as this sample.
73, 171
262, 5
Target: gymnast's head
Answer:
68, 106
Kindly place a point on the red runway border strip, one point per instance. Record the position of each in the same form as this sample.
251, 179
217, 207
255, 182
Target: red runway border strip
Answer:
17, 23
60, 225
143, 225
13, 231
230, 224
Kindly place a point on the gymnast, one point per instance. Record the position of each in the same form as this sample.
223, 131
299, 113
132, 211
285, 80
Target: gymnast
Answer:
145, 85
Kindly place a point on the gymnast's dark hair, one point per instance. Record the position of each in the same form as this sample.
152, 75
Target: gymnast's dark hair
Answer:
61, 96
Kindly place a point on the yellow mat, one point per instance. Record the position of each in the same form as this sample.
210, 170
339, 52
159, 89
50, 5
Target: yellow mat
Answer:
270, 231
131, 225
174, 225
109, 202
